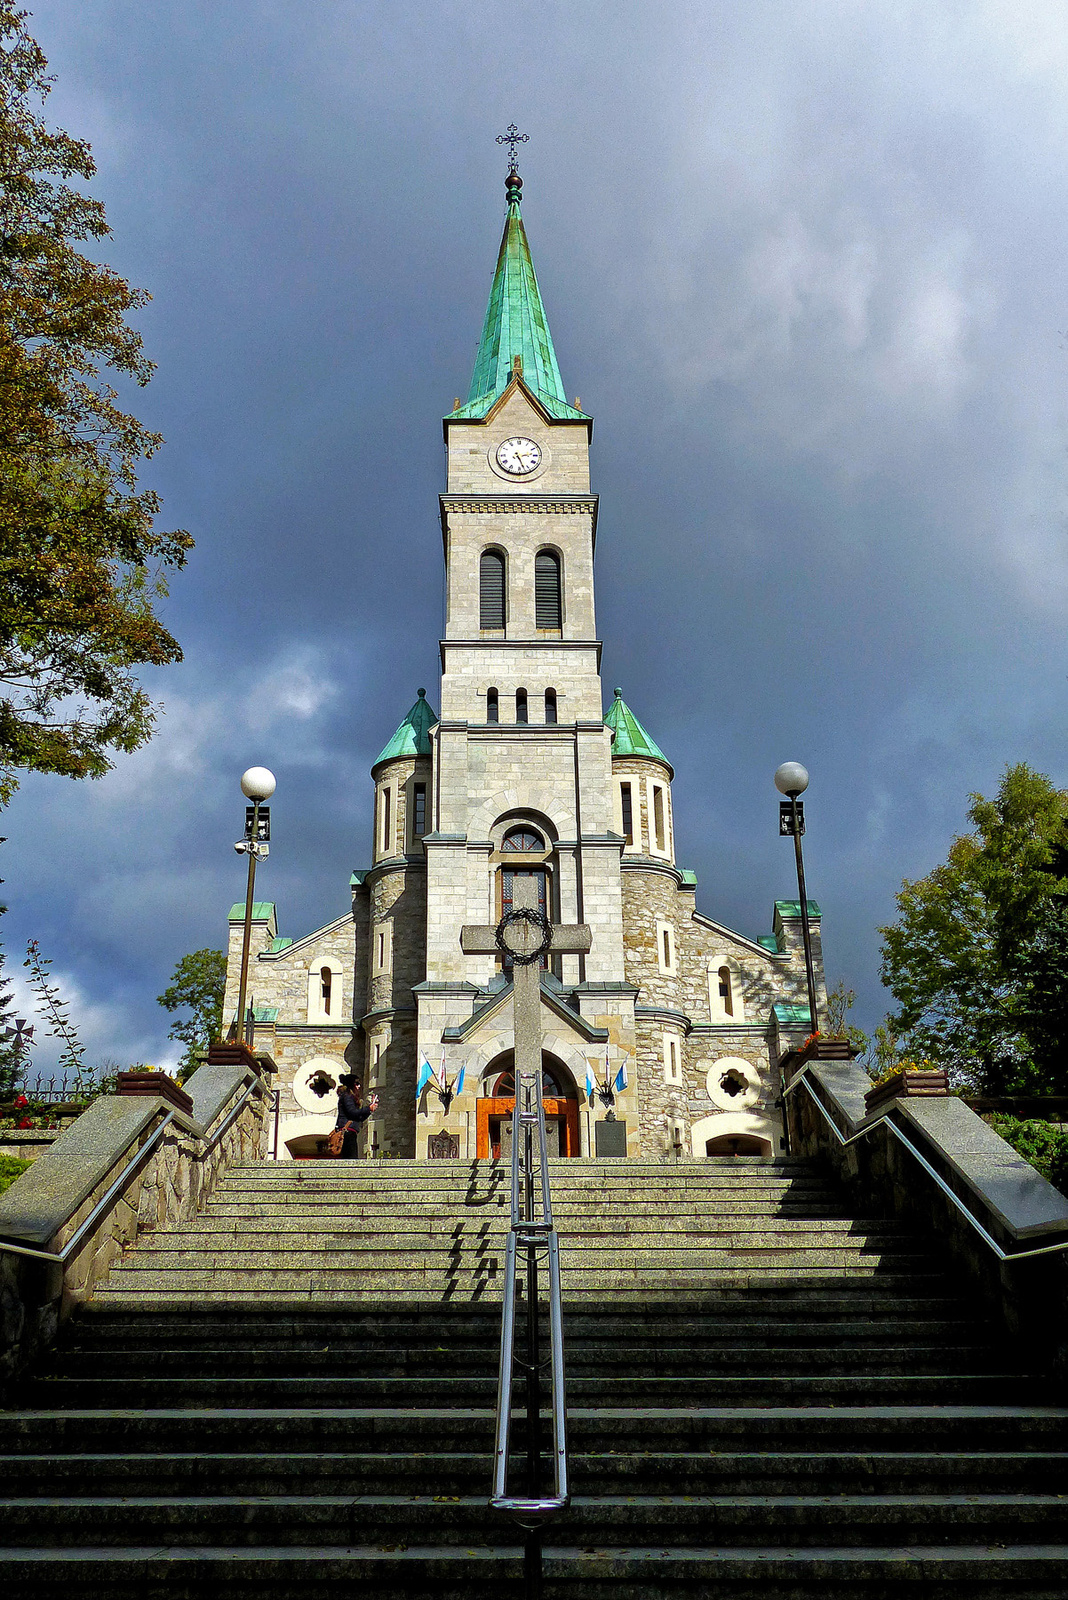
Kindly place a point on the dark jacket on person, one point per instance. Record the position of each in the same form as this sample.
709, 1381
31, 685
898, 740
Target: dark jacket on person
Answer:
349, 1110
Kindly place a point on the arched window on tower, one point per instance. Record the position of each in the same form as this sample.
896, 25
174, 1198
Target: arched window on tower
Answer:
550, 705
726, 993
522, 839
521, 705
491, 589
326, 986
492, 705
547, 606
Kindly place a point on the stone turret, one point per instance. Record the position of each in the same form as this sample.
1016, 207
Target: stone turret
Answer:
396, 919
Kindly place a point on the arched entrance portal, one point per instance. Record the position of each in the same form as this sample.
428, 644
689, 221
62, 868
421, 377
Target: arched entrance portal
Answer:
737, 1144
493, 1111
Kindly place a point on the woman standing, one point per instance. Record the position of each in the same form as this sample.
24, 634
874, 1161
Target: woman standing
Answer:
352, 1113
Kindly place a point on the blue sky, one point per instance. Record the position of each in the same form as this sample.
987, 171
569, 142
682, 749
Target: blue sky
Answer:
807, 266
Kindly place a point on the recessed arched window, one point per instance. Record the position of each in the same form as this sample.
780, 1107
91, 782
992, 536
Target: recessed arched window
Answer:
521, 705
547, 606
726, 995
326, 982
492, 705
522, 839
491, 589
550, 705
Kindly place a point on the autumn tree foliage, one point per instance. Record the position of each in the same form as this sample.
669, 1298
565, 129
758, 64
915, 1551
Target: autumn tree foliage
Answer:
82, 565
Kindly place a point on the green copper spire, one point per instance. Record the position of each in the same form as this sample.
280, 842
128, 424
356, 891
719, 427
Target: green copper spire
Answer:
629, 738
516, 326
412, 738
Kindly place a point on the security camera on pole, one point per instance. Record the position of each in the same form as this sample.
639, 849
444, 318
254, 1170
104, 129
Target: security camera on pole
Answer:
791, 779
257, 785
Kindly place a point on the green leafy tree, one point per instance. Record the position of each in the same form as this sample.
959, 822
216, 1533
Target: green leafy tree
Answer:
973, 959
81, 563
197, 985
1042, 963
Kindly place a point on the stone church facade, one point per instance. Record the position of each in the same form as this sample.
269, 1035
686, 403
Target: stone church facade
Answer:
523, 773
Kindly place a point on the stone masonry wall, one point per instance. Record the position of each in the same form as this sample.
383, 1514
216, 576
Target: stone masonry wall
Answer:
175, 1183
680, 1005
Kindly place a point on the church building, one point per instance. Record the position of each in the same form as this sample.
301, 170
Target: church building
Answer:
665, 1039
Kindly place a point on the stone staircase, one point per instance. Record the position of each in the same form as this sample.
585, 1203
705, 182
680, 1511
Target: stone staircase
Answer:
767, 1397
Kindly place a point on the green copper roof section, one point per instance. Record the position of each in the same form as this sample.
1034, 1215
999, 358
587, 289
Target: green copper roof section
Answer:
412, 738
792, 908
629, 737
262, 911
516, 325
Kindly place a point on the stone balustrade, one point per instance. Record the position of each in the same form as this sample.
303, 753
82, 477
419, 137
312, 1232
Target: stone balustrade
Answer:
1015, 1206
44, 1209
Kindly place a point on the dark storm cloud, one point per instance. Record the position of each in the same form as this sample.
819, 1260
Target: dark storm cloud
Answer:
804, 264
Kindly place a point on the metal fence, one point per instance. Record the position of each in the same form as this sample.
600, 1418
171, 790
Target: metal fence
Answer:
54, 1091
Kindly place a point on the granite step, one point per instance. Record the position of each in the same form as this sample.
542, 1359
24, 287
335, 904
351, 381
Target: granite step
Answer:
768, 1395
819, 1427
344, 1472
578, 1572
305, 1233
396, 1256
871, 1294
479, 1388
466, 1359
800, 1520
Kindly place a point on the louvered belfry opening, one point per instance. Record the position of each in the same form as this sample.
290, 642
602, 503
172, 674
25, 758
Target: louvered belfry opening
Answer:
491, 590
547, 607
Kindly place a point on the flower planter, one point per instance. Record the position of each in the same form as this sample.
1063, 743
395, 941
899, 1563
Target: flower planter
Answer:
910, 1081
826, 1050
158, 1083
231, 1053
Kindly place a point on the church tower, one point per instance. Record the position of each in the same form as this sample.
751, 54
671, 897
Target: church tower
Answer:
666, 1036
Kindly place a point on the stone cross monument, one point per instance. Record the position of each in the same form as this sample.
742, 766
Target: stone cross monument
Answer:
525, 934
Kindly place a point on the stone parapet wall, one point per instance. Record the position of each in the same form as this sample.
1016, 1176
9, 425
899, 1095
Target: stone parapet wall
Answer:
1003, 1192
46, 1206
28, 1144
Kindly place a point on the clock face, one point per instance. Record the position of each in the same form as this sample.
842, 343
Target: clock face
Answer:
518, 456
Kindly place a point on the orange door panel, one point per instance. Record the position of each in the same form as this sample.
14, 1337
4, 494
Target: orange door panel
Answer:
564, 1111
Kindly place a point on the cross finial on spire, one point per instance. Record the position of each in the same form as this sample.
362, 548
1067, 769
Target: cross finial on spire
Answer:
511, 139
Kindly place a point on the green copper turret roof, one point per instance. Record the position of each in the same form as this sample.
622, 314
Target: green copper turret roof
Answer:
412, 738
516, 326
629, 738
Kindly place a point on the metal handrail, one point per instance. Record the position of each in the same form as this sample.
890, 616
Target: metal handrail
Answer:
103, 1205
531, 1230
884, 1119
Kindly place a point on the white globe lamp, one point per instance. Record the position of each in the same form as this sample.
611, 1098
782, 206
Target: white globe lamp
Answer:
791, 778
258, 784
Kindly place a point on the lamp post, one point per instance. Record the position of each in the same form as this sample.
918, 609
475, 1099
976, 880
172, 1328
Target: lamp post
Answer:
791, 779
257, 785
